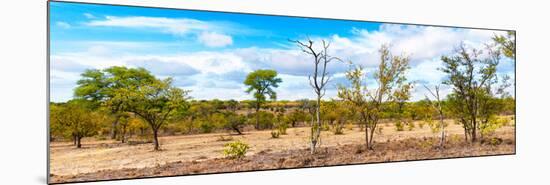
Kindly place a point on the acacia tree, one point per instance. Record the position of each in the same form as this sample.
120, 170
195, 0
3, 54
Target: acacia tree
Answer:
75, 120
261, 83
155, 103
101, 87
473, 76
318, 81
389, 77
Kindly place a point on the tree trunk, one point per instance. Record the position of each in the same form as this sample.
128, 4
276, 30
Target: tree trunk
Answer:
155, 139
371, 147
257, 115
123, 135
78, 145
474, 128
113, 128
367, 137
237, 130
442, 127
316, 127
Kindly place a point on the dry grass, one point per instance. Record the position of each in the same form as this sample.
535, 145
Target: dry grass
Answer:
192, 154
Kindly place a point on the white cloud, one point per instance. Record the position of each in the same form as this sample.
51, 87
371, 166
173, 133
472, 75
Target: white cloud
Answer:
63, 24
89, 15
212, 39
219, 74
208, 33
174, 26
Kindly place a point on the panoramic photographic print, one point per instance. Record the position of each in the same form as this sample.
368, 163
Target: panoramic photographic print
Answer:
138, 92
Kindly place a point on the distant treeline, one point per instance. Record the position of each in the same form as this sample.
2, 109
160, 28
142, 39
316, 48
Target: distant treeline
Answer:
206, 116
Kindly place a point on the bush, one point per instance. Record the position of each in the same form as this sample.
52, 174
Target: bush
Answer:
235, 150
205, 127
399, 126
410, 126
275, 134
421, 124
281, 128
349, 126
265, 119
325, 126
338, 129
435, 126
492, 125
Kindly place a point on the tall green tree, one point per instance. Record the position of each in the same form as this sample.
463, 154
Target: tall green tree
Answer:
473, 76
101, 87
261, 83
156, 103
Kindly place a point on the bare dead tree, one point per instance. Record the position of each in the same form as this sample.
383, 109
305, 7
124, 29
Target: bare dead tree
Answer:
437, 106
318, 81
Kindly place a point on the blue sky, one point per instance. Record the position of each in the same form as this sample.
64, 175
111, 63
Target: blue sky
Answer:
210, 53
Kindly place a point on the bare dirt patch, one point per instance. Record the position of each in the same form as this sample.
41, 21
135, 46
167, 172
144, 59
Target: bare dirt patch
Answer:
192, 154
402, 150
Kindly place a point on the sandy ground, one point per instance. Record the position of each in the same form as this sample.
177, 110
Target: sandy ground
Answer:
65, 159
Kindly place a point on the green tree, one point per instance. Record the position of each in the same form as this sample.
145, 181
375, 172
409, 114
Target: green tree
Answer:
295, 117
235, 122
261, 83
74, 120
369, 104
155, 103
473, 76
506, 44
101, 87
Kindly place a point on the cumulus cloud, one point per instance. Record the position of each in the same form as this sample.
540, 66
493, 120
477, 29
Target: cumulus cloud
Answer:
219, 74
212, 39
163, 68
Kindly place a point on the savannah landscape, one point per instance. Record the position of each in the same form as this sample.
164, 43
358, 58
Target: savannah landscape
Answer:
124, 121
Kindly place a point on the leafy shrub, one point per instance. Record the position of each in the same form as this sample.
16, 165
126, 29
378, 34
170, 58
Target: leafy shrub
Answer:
492, 125
275, 134
349, 126
338, 129
399, 126
492, 141
325, 127
435, 126
205, 127
265, 119
281, 128
426, 143
410, 126
235, 150
421, 124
